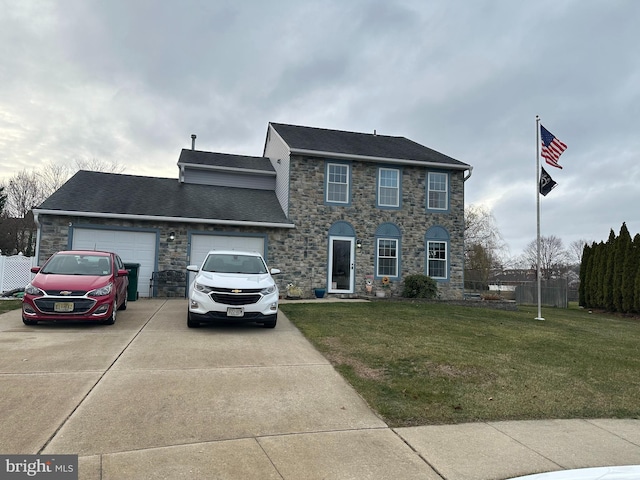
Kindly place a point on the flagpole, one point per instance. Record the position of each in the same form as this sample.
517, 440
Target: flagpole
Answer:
539, 317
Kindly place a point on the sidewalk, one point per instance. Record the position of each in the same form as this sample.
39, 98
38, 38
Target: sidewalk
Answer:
151, 398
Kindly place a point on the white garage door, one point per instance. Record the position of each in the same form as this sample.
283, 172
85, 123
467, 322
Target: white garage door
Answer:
133, 247
201, 244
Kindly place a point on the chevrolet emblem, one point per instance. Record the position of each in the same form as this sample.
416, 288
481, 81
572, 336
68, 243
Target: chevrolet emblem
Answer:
235, 290
65, 292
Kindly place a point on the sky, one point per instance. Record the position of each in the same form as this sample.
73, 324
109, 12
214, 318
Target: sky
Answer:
129, 81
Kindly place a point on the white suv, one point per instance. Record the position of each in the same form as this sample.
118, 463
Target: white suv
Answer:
233, 286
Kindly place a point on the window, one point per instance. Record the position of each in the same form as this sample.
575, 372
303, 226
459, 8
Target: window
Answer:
437, 260
438, 191
388, 187
387, 257
388, 249
337, 186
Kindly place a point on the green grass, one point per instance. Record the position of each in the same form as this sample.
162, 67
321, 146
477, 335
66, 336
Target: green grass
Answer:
432, 363
7, 305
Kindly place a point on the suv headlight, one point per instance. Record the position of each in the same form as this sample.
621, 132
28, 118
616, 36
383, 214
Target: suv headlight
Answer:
31, 290
101, 292
269, 290
203, 288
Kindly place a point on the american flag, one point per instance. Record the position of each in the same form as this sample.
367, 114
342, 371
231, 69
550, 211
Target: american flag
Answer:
552, 148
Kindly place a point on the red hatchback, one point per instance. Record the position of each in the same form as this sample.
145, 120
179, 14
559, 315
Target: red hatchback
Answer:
77, 285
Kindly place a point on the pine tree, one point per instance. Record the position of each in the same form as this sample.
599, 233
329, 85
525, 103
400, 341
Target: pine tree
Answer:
607, 280
622, 247
631, 266
584, 266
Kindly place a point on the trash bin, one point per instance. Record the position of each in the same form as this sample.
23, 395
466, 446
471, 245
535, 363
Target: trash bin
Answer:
132, 291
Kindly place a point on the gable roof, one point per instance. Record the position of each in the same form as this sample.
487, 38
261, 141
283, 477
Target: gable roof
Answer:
225, 161
365, 146
110, 195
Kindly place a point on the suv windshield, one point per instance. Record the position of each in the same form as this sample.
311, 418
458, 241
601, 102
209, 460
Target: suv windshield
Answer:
227, 263
78, 265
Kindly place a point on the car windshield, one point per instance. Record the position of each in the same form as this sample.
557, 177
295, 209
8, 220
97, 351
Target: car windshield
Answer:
65, 264
226, 263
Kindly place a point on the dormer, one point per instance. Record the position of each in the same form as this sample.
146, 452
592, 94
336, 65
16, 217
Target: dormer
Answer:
228, 170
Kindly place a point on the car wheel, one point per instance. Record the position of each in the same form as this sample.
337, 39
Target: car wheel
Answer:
26, 321
112, 319
124, 304
191, 322
270, 323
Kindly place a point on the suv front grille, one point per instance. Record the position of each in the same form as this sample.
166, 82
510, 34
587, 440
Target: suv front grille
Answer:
235, 299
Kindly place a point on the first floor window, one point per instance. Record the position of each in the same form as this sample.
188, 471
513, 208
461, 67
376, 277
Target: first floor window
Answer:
387, 257
437, 261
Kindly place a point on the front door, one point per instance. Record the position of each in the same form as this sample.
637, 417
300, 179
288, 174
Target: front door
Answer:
341, 267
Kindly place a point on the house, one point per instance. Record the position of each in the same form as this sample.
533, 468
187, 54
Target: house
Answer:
329, 208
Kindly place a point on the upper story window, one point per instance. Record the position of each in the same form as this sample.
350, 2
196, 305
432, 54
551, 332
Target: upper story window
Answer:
437, 191
389, 187
338, 179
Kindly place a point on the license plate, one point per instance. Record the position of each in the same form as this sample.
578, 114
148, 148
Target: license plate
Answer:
63, 307
235, 312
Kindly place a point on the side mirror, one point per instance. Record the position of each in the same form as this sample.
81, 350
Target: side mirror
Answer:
275, 271
35, 269
193, 268
123, 273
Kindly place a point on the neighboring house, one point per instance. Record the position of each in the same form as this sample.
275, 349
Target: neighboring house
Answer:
329, 208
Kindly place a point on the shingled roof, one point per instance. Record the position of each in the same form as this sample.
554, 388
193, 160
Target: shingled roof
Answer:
319, 141
117, 195
224, 160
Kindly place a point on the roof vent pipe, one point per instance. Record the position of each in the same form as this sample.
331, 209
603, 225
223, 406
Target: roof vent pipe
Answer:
193, 141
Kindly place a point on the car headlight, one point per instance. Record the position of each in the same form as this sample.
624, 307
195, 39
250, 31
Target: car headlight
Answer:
269, 290
31, 290
202, 288
102, 291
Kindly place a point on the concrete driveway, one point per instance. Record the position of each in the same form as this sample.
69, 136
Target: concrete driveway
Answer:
149, 398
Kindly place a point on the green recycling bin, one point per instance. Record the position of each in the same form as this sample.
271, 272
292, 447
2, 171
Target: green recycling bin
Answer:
132, 291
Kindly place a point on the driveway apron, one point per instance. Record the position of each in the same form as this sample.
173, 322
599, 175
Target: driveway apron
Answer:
151, 398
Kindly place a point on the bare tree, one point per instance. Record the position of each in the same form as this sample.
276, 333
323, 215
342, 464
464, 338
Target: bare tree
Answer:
24, 191
484, 246
553, 257
575, 251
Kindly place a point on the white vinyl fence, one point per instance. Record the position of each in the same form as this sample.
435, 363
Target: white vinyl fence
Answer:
15, 272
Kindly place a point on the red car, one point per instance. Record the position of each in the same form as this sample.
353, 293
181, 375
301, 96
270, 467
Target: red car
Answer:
76, 286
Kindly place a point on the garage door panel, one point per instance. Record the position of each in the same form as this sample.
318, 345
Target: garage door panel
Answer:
132, 246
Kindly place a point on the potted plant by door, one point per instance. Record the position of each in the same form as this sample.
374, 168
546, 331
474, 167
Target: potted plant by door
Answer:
320, 292
386, 286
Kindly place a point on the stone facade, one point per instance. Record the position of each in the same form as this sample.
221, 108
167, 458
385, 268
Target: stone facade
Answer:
302, 253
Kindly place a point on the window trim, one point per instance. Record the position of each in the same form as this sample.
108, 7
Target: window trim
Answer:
446, 191
445, 260
398, 187
328, 165
397, 257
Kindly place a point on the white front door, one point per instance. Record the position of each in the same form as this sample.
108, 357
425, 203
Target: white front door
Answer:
341, 264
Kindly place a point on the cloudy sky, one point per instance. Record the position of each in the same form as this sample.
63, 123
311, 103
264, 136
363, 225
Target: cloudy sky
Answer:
131, 80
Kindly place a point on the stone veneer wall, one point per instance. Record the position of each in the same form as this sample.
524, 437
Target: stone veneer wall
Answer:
303, 253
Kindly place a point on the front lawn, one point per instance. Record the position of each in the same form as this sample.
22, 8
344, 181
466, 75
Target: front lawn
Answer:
431, 363
7, 305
